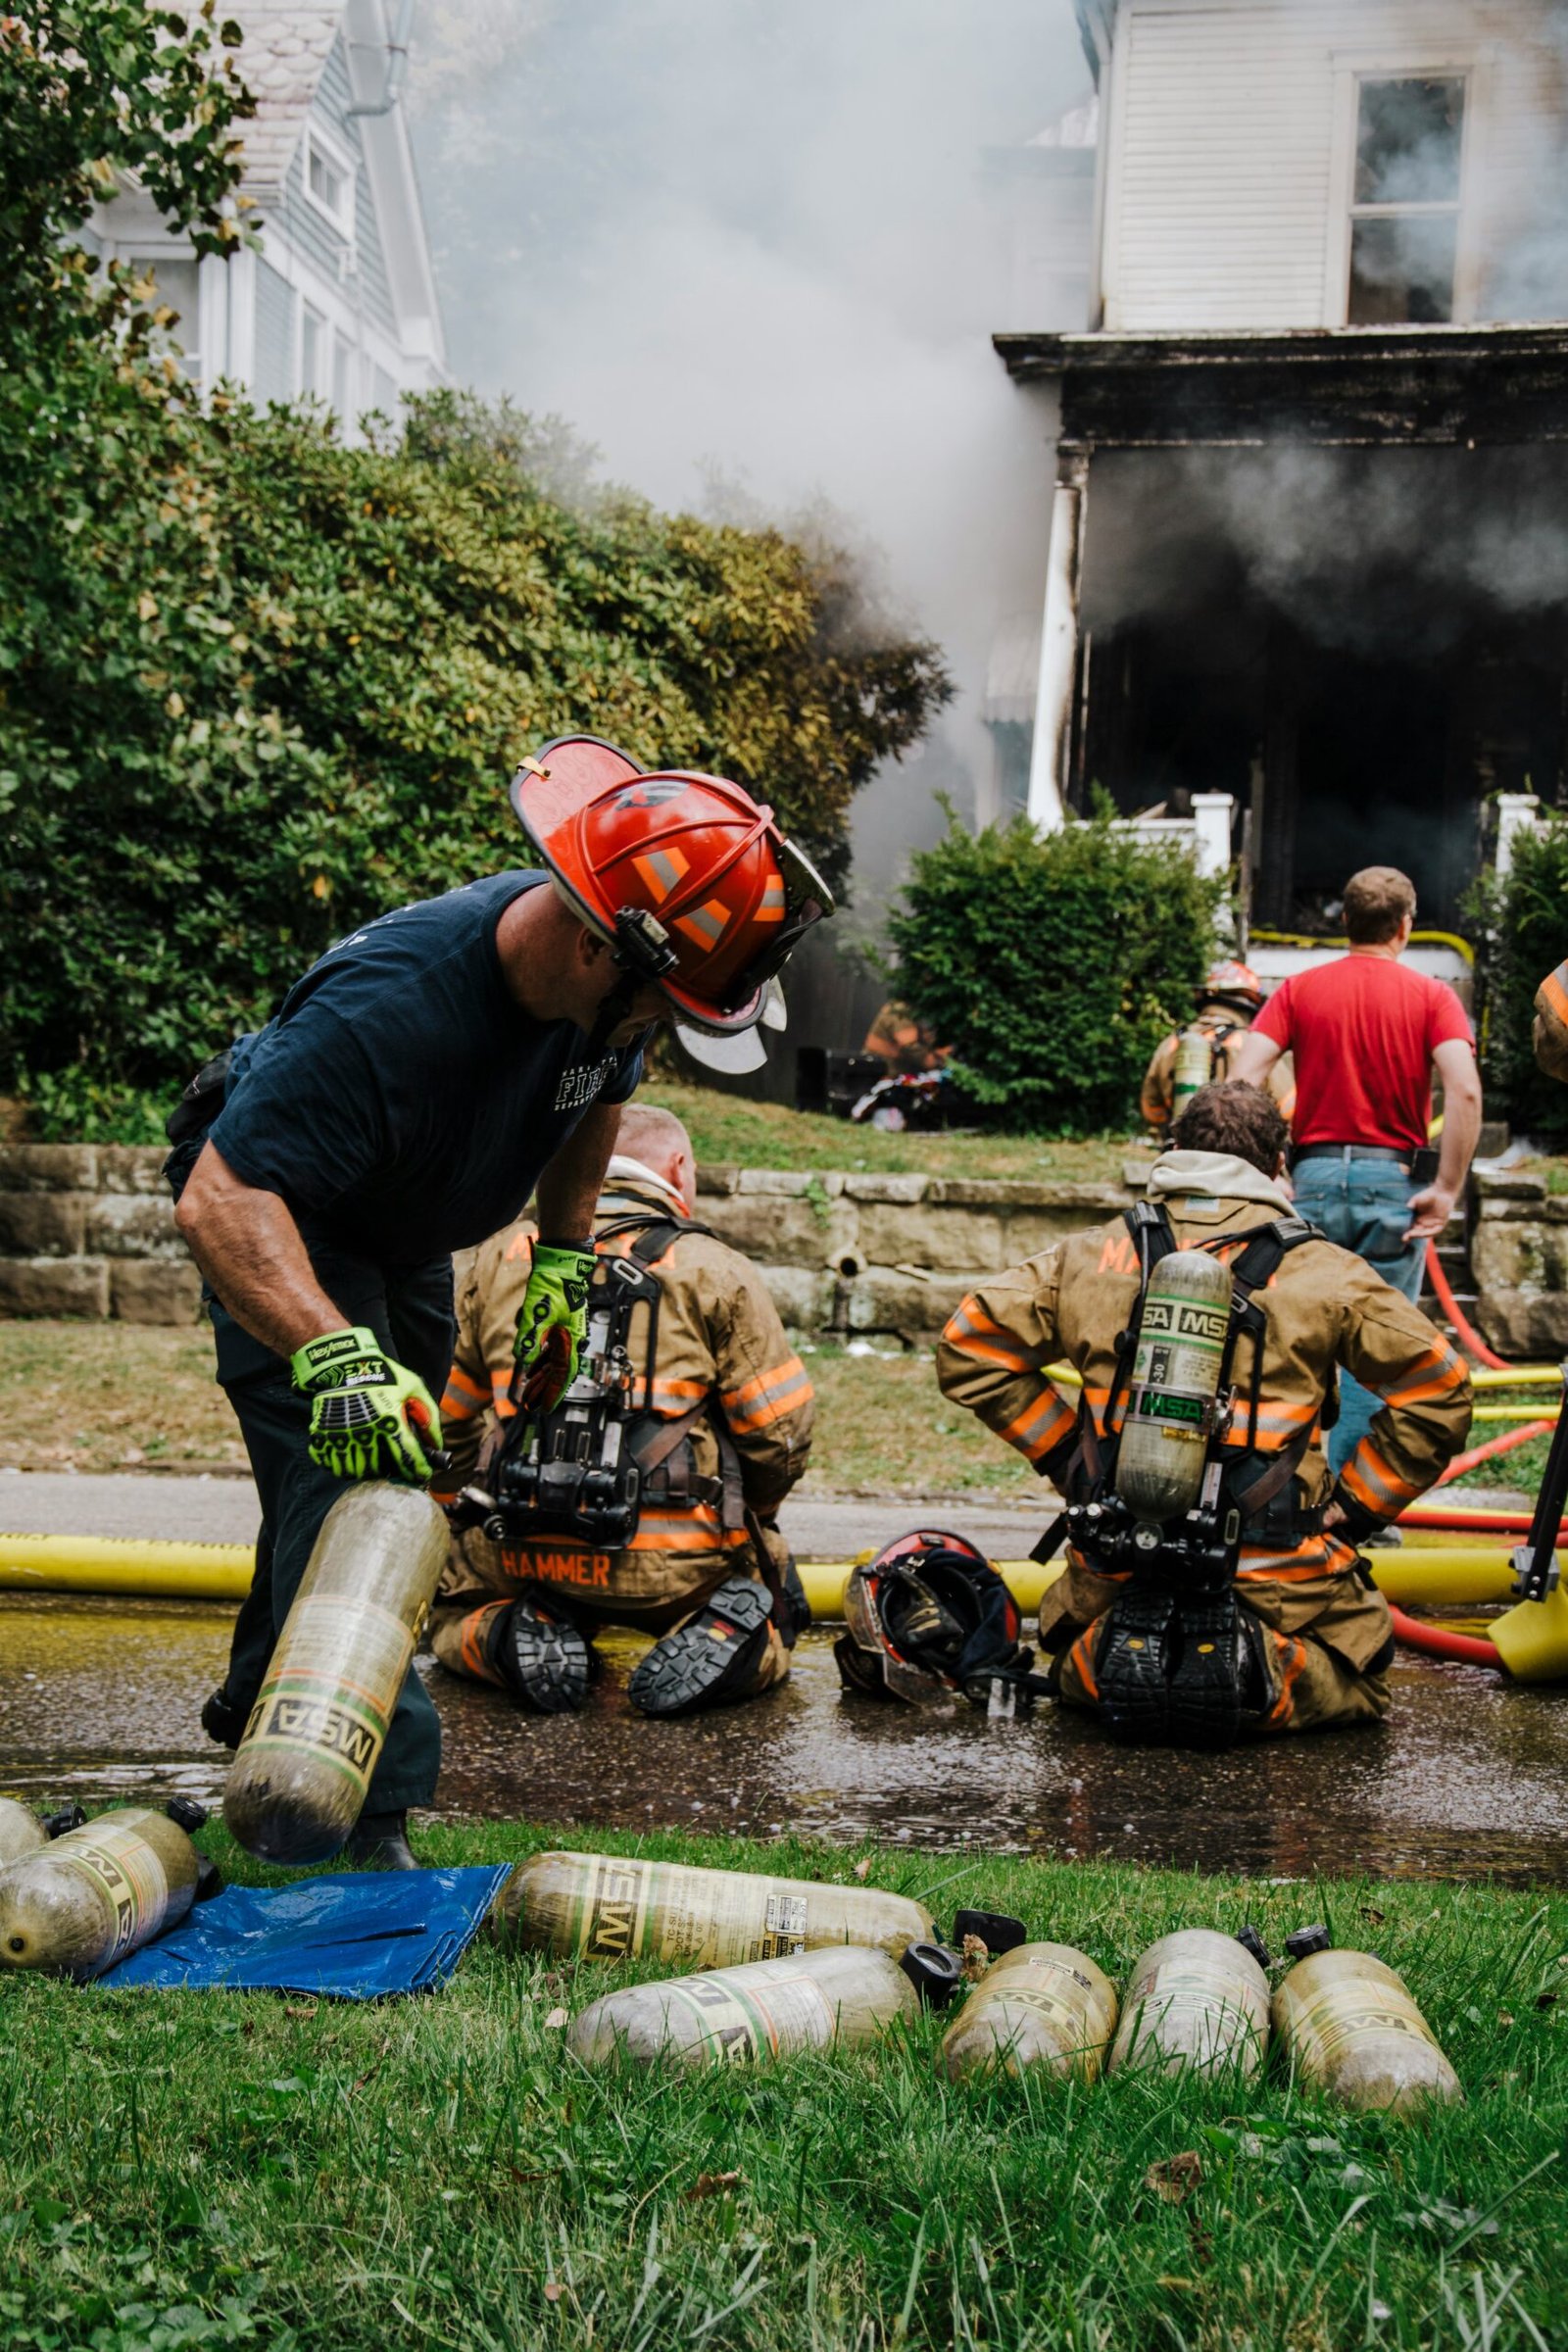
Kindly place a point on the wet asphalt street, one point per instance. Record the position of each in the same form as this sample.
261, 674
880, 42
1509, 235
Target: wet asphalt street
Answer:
99, 1699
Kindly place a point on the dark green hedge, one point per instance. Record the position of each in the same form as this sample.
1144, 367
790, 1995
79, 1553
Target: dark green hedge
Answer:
256, 686
1523, 923
1053, 964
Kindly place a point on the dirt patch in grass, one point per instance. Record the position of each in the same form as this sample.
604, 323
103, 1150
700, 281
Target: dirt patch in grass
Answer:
111, 1396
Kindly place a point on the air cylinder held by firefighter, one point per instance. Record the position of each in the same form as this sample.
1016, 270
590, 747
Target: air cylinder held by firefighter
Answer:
839, 1997
612, 1907
1194, 1068
1197, 2000
298, 1782
100, 1892
1177, 1365
1041, 2004
1348, 2024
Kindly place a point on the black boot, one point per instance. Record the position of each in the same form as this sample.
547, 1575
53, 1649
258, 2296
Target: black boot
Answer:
708, 1659
380, 1842
544, 1659
223, 1719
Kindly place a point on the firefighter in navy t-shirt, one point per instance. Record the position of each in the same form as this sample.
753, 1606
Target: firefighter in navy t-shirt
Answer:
420, 1081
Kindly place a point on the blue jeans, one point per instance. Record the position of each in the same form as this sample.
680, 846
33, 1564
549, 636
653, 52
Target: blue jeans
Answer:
1363, 1205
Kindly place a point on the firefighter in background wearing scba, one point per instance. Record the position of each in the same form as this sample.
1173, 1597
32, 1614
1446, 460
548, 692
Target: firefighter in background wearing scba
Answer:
698, 1570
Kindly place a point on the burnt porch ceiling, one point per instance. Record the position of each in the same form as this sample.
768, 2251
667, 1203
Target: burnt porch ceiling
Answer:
1346, 387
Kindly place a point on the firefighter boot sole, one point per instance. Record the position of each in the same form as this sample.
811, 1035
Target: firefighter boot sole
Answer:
1134, 1666
545, 1661
1206, 1683
702, 1664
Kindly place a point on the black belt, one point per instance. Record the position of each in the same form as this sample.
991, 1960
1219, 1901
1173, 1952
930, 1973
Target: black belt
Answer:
1349, 1151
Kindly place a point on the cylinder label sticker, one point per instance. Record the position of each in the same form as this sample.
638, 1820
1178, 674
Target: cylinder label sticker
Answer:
132, 1880
739, 2024
684, 1917
333, 1683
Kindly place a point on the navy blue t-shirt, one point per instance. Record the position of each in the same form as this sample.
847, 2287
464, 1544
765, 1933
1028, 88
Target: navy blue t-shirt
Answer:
402, 1102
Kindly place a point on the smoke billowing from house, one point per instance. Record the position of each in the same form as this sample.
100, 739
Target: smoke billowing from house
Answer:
749, 250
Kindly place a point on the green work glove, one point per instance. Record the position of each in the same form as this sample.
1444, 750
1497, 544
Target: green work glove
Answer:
552, 1325
369, 1417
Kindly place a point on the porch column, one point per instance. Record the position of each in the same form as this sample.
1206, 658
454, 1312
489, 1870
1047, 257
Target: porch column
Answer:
1059, 646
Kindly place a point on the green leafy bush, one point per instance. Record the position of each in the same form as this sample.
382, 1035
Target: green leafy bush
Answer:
1523, 927
257, 687
1053, 963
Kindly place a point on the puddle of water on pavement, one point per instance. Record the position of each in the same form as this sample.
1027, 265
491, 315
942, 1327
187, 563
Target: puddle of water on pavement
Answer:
100, 1701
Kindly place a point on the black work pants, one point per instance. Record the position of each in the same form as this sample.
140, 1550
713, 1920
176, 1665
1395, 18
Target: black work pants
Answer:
410, 1310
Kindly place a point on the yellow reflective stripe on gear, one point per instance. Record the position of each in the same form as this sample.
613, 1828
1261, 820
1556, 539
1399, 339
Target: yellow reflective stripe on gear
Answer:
974, 1333
768, 1397
1372, 1480
1040, 1426
1436, 1373
1554, 988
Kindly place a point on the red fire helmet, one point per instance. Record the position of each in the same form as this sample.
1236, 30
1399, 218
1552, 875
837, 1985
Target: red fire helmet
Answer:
686, 877
1231, 983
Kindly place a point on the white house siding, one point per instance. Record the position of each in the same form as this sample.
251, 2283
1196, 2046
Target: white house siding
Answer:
272, 376
1228, 154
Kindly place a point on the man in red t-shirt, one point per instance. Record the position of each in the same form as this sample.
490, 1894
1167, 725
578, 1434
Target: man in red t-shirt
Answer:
1368, 1034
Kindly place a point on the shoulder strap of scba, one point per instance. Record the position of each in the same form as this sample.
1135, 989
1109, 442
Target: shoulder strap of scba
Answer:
1094, 1444
659, 1439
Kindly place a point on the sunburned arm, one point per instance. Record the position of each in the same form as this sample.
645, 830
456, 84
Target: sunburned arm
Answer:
569, 1187
249, 1247
1255, 1058
1456, 1065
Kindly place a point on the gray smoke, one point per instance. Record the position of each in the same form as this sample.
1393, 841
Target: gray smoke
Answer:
753, 254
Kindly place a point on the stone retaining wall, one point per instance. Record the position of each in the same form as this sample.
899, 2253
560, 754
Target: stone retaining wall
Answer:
1519, 1264
89, 1230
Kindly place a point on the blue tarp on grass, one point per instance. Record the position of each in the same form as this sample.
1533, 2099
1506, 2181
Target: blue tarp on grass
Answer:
355, 1936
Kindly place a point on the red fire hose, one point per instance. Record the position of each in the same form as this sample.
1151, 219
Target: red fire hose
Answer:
1439, 1642
1489, 1452
1474, 1523
1469, 1336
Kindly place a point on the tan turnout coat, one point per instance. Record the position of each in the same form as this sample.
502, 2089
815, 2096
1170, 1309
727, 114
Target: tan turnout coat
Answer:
1327, 1634
719, 1339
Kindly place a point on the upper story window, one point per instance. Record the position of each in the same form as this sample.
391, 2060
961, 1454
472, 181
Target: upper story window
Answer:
1404, 209
329, 180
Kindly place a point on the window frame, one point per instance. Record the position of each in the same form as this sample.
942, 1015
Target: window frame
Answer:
320, 141
1351, 70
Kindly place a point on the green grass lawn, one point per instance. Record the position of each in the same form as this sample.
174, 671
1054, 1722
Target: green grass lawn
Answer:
185, 2169
770, 1135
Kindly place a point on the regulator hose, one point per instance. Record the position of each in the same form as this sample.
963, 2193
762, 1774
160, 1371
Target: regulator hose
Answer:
1469, 1336
1460, 1648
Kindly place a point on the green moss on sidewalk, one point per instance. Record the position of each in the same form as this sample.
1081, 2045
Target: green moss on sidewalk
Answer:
212, 2169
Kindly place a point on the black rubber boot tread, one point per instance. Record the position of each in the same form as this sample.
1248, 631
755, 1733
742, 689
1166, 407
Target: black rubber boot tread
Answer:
544, 1659
1133, 1666
380, 1842
703, 1662
1205, 1693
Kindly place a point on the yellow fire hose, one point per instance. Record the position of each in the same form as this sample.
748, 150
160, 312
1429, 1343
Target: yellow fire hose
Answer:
1437, 1575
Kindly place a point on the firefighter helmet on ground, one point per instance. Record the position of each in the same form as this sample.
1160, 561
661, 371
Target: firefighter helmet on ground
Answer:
1231, 983
686, 878
928, 1614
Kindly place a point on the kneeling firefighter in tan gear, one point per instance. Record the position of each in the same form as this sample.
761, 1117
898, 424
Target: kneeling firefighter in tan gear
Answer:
1212, 1587
647, 1495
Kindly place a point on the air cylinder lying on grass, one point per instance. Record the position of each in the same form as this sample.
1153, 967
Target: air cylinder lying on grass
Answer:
1195, 2000
300, 1775
1349, 2025
100, 1892
614, 1907
838, 1998
23, 1833
1041, 2004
